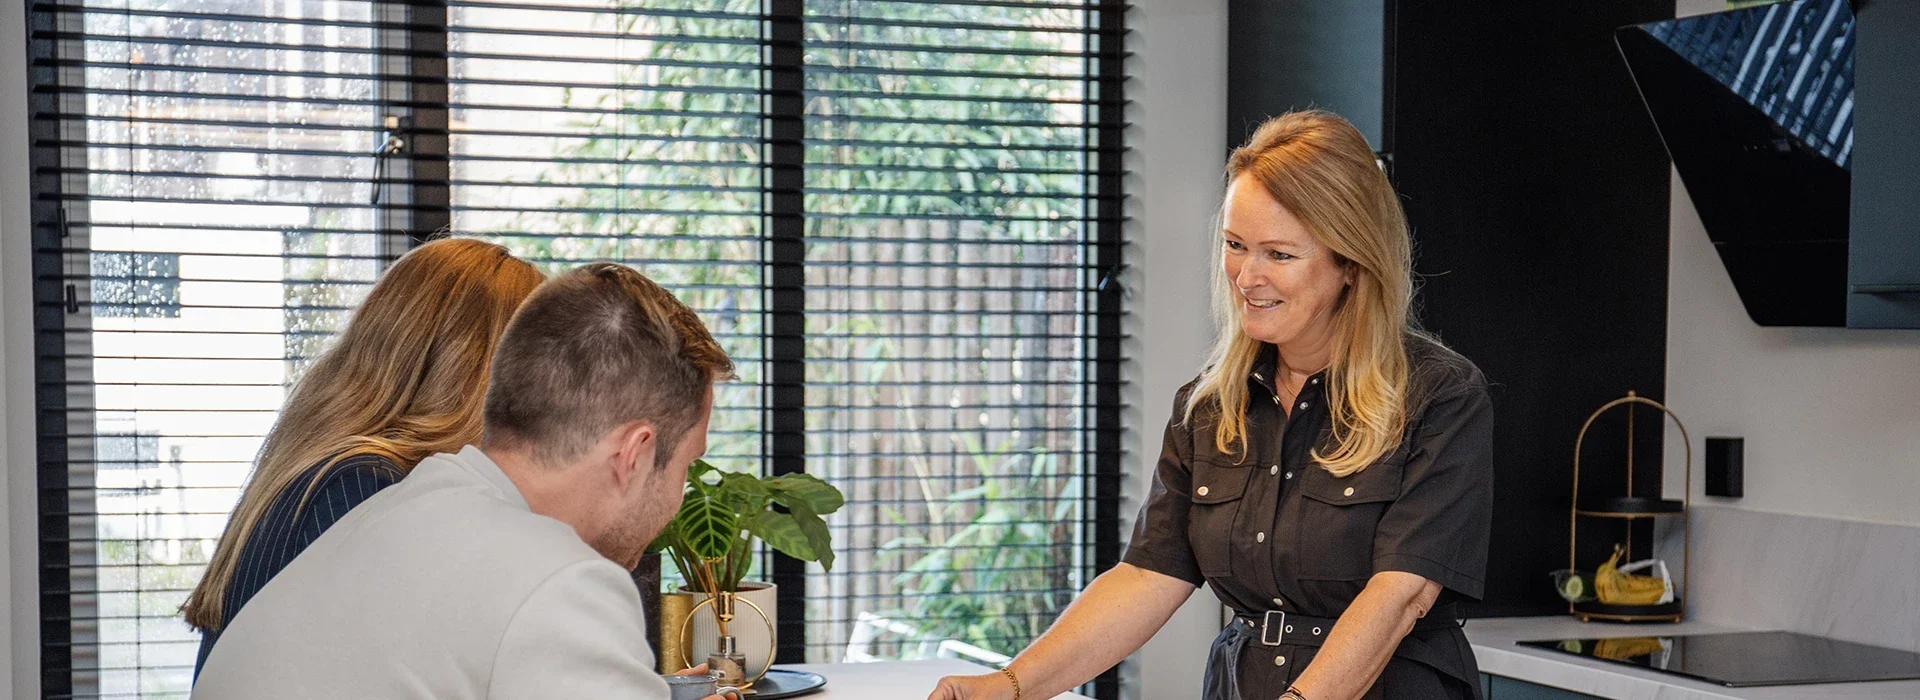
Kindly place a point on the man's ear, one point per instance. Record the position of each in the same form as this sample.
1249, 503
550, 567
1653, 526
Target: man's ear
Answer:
635, 446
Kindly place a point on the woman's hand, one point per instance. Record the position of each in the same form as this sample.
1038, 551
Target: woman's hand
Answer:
988, 686
700, 670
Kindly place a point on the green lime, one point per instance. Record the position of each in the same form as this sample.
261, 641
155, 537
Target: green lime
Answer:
1574, 588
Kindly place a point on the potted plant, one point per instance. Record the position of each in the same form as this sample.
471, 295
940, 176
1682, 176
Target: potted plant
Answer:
711, 541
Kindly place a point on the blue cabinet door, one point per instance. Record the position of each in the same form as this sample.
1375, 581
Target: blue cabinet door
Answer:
1498, 688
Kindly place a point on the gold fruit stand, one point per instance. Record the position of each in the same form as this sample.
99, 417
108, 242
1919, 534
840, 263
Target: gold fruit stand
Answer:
1626, 509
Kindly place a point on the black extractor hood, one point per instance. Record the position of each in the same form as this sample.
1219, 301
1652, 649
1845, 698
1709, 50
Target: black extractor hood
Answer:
1806, 179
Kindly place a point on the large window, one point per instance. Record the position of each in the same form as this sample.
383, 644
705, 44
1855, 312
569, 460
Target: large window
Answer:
901, 217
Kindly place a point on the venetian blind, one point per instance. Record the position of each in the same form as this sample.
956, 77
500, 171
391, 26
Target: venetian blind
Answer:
901, 218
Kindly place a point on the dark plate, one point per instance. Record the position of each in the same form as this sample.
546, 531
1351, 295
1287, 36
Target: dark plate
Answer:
787, 684
1598, 608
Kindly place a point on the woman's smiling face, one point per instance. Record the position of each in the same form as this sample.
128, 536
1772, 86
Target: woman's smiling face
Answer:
1289, 284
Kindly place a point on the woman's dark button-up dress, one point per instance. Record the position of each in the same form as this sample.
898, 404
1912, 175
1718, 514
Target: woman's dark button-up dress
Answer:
1275, 531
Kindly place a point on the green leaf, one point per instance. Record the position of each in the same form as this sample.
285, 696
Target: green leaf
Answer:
701, 466
782, 532
699, 469
707, 524
746, 493
818, 536
819, 496
800, 534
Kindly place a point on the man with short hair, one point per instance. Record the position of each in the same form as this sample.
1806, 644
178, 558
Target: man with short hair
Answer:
502, 571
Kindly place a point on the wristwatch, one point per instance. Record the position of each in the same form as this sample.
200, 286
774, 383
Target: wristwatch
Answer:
1292, 694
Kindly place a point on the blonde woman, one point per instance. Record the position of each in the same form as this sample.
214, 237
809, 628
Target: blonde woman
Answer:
1329, 473
406, 379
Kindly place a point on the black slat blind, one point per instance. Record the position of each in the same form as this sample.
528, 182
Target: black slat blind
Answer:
203, 221
961, 169
625, 131
901, 217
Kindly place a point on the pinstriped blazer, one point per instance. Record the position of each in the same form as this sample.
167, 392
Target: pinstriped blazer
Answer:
288, 527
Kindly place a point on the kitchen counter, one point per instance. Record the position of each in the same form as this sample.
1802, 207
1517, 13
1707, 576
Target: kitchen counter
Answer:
1495, 646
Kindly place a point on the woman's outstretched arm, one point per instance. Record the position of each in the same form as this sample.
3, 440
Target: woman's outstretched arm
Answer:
1117, 614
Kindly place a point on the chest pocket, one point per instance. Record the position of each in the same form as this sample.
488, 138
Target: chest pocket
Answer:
1219, 491
1338, 516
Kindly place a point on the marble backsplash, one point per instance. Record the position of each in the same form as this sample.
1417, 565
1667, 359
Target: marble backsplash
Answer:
1846, 579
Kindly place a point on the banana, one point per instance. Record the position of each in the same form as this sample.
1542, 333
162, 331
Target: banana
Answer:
1615, 588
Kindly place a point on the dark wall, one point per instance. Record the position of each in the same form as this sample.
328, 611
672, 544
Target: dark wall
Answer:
1537, 191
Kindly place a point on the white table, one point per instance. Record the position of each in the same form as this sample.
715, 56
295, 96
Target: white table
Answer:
891, 680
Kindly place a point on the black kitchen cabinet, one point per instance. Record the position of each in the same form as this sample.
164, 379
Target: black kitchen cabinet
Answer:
1883, 271
1307, 53
1537, 192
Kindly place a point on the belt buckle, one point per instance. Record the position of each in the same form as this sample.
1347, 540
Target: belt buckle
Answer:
1273, 628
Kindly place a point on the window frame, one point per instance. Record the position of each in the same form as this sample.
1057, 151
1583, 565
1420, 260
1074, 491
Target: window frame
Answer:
416, 204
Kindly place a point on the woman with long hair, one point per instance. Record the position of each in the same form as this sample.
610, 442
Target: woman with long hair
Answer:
406, 379
1329, 473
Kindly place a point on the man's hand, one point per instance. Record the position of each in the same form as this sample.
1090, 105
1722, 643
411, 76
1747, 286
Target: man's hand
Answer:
991, 686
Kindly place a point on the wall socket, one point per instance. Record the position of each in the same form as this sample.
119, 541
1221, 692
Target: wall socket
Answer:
1725, 466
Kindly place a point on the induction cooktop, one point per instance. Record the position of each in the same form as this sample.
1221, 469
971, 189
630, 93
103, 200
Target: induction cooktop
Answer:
1747, 659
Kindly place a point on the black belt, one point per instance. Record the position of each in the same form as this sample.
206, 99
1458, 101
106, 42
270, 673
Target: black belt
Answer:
1277, 628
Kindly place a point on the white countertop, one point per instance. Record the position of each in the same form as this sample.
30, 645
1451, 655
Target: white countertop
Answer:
892, 680
1494, 645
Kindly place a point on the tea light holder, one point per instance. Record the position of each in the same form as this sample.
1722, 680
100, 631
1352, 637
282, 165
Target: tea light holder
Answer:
727, 659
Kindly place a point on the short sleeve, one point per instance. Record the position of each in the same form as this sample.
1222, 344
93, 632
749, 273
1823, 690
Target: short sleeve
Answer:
581, 634
1439, 526
1160, 541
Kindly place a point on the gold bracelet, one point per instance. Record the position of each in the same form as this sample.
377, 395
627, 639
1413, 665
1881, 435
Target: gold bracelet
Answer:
1015, 680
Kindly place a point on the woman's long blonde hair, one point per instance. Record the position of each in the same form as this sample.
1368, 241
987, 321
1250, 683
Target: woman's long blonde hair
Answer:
1321, 170
406, 379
